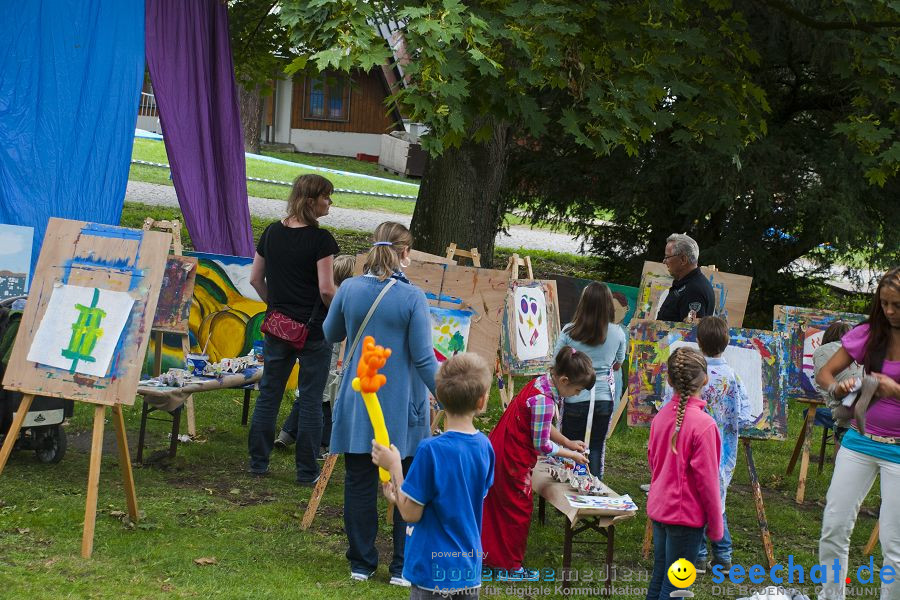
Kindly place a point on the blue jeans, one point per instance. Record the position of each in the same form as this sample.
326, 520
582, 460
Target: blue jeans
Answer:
279, 359
361, 486
721, 550
291, 423
671, 542
574, 426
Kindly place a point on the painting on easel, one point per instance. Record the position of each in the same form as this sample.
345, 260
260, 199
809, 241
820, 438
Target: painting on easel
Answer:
449, 331
569, 288
753, 354
15, 259
173, 309
530, 327
804, 328
731, 292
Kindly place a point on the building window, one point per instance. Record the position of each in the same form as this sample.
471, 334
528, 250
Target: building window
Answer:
327, 98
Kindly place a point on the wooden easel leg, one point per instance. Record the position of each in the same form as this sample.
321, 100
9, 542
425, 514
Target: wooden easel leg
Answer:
318, 492
648, 539
760, 507
13, 434
873, 540
125, 462
436, 421
804, 459
90, 506
799, 445
620, 410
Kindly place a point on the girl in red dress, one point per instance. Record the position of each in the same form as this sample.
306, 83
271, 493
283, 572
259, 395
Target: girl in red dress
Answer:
524, 432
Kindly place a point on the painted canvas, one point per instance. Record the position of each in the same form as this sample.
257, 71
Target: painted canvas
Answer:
731, 292
81, 329
530, 326
804, 328
15, 259
449, 331
174, 306
754, 354
570, 288
225, 312
86, 325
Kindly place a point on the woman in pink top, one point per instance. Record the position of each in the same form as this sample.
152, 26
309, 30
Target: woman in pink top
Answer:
684, 452
869, 450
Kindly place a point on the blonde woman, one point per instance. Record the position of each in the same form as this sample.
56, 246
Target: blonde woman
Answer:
293, 273
400, 322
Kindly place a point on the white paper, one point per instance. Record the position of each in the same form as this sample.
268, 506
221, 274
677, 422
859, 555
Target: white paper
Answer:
530, 314
53, 343
747, 364
623, 503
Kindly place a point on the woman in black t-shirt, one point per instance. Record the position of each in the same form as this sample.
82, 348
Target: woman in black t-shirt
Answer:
292, 272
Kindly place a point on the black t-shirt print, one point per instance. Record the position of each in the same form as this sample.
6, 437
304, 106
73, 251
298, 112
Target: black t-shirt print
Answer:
691, 292
292, 278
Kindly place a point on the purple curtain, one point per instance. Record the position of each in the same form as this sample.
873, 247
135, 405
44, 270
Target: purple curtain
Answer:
189, 56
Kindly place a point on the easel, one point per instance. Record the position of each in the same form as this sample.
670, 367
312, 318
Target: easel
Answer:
507, 388
94, 254
802, 445
473, 254
90, 508
760, 512
173, 227
620, 410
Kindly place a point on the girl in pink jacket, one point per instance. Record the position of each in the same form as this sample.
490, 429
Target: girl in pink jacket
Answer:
684, 452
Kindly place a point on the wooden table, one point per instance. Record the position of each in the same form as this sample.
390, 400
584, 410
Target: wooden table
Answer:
171, 400
803, 442
578, 520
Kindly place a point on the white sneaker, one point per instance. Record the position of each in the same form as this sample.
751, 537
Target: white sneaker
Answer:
645, 487
400, 582
359, 576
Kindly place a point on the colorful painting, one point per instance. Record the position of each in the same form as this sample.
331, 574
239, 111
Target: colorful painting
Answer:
225, 314
731, 292
755, 355
81, 329
569, 288
15, 259
449, 331
530, 327
173, 308
804, 328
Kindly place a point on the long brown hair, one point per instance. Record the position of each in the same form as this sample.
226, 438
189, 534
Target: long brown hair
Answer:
593, 315
301, 204
879, 326
384, 258
687, 371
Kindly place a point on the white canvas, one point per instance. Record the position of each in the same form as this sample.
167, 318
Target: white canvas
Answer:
530, 314
55, 331
809, 347
747, 364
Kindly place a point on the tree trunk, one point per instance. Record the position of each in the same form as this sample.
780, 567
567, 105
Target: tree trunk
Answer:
460, 197
251, 106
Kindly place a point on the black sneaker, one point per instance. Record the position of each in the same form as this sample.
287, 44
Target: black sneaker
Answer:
725, 565
284, 440
701, 566
309, 483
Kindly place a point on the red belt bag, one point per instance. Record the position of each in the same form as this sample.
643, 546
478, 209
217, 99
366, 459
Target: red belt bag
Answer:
285, 328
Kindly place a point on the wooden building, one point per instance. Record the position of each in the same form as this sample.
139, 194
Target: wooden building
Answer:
332, 113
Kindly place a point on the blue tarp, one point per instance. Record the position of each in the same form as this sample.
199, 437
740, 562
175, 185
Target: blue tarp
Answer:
71, 73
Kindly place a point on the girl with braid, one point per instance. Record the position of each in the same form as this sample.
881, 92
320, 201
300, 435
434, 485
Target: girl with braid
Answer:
683, 452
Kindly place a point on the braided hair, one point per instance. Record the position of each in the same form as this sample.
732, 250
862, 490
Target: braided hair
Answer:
687, 373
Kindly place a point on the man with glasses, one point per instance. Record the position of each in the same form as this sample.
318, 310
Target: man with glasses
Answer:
691, 295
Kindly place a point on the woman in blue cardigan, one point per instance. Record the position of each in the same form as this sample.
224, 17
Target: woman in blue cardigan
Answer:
402, 323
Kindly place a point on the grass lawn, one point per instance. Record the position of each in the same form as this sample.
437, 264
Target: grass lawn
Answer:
203, 505
155, 151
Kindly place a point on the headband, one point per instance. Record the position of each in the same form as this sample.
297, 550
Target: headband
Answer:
383, 244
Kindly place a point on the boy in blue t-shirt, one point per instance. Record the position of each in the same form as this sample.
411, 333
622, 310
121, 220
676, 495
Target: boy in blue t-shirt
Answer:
443, 494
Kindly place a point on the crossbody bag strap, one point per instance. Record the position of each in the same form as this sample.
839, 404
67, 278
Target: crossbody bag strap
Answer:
365, 322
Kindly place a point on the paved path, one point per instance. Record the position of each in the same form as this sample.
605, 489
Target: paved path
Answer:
360, 220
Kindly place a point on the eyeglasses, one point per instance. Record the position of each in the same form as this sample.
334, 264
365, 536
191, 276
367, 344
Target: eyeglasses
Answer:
666, 258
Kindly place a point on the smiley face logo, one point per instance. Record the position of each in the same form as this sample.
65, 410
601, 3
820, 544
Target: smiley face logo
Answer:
682, 573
